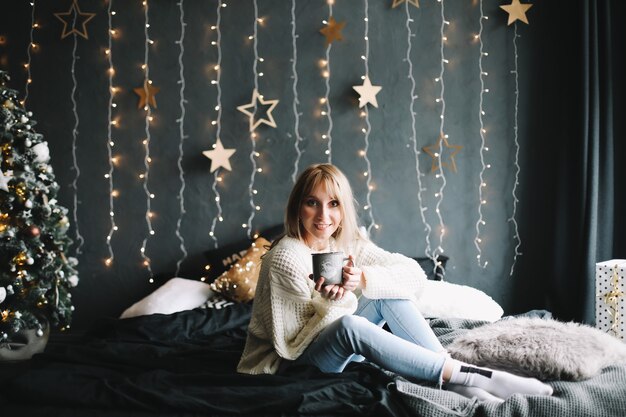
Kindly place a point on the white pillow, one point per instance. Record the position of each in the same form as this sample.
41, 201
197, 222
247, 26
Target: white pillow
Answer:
446, 300
175, 295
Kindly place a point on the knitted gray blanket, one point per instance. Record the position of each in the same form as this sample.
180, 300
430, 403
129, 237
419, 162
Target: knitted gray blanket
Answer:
603, 395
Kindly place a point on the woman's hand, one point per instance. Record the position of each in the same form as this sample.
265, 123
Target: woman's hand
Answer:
352, 276
330, 291
351, 280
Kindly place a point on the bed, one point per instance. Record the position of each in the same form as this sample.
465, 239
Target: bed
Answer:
183, 364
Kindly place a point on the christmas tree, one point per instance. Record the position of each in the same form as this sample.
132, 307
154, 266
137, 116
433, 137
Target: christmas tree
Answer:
35, 273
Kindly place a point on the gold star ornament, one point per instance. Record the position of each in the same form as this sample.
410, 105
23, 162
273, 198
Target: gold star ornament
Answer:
396, 3
219, 156
146, 95
73, 19
433, 151
367, 92
332, 31
251, 109
516, 11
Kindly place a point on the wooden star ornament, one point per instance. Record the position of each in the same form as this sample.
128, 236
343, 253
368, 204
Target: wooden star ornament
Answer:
396, 3
251, 109
516, 11
147, 95
219, 156
367, 92
433, 151
332, 31
74, 18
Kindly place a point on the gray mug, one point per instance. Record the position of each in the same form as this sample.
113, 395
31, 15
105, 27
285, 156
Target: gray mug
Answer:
329, 265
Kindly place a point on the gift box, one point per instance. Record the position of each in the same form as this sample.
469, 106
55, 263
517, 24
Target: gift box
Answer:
610, 279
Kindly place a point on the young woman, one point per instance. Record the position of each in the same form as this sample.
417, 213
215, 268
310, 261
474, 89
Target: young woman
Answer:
298, 321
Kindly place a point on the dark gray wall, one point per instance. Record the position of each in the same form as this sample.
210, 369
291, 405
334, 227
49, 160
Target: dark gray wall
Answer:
107, 291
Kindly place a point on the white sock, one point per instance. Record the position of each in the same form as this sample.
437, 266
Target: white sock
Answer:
471, 392
499, 383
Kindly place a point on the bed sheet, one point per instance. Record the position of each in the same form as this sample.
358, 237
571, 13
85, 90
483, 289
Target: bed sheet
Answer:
181, 364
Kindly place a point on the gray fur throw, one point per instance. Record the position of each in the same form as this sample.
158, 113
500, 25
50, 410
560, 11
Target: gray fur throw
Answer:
544, 349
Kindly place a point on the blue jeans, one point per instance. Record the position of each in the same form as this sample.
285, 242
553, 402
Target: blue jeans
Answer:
411, 350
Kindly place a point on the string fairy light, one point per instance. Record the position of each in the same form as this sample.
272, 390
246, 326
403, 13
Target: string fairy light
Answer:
327, 109
31, 45
74, 185
146, 142
483, 148
414, 97
367, 130
442, 116
517, 149
218, 121
296, 101
253, 135
182, 135
109, 176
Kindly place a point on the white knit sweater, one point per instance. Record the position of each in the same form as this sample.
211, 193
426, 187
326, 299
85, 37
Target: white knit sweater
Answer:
288, 313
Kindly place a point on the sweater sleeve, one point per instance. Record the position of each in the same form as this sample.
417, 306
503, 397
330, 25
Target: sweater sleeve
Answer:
388, 275
298, 312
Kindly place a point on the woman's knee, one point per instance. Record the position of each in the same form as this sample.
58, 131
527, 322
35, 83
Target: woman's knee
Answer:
350, 320
350, 325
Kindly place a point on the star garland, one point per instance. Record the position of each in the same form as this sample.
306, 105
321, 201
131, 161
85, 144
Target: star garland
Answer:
219, 156
367, 92
396, 3
516, 11
72, 18
147, 95
433, 151
257, 98
332, 31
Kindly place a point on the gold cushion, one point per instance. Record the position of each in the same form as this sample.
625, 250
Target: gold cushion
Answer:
239, 282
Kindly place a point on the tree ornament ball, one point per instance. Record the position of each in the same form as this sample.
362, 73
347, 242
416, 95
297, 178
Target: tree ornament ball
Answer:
34, 231
9, 104
20, 191
20, 259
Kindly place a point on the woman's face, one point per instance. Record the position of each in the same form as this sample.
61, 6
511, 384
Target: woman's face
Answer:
321, 216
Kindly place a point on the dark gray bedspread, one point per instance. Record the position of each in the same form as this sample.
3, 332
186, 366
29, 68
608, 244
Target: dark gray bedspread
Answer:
601, 396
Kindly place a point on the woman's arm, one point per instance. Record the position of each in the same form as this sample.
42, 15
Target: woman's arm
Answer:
386, 274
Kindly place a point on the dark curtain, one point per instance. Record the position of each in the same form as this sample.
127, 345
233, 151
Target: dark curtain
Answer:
574, 196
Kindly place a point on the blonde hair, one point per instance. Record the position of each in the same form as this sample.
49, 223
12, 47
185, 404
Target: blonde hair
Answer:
336, 184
